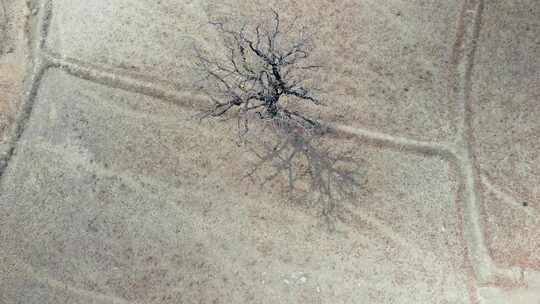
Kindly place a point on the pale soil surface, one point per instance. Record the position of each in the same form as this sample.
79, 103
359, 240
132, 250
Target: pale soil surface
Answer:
115, 193
13, 53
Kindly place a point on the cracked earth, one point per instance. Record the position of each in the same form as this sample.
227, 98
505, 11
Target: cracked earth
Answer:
110, 194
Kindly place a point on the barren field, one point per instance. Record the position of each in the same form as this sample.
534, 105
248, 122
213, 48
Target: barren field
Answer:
113, 191
12, 62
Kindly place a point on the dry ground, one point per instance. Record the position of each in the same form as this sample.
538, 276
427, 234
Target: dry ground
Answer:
13, 52
115, 194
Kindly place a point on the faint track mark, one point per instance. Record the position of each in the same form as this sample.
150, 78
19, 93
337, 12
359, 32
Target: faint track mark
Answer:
134, 181
388, 232
55, 284
506, 198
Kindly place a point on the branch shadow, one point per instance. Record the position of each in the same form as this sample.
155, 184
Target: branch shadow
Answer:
305, 165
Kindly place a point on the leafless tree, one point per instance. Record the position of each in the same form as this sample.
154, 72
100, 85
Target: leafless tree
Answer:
263, 77
260, 70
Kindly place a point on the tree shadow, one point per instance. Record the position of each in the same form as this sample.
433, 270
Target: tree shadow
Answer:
306, 166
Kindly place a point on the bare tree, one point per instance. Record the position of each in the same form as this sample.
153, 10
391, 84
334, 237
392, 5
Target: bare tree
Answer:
259, 71
263, 76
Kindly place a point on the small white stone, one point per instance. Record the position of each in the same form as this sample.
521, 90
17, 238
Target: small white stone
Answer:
287, 281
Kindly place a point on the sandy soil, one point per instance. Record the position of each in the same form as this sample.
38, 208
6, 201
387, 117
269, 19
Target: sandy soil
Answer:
13, 52
114, 193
